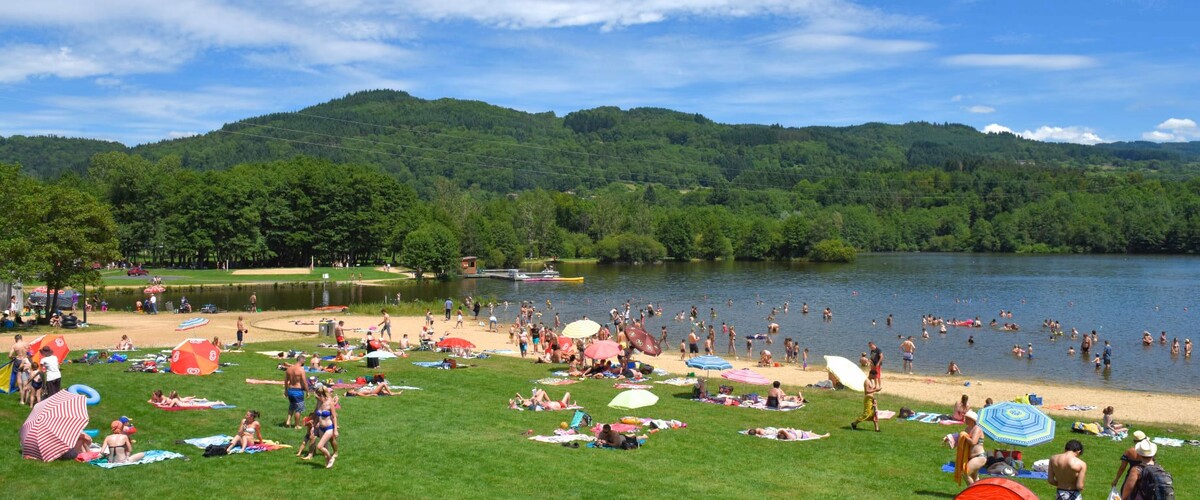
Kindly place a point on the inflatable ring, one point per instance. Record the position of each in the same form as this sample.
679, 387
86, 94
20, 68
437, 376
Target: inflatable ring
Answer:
92, 396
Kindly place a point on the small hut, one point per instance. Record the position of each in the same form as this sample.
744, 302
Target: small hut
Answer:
468, 266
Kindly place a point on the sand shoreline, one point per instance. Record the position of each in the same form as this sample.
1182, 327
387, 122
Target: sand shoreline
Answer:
939, 390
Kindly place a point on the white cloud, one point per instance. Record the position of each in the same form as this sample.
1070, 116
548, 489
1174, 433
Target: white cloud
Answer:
818, 42
957, 98
1046, 133
979, 109
1174, 130
1045, 62
25, 61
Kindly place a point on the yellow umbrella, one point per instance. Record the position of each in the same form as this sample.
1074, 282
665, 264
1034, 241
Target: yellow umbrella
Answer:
581, 329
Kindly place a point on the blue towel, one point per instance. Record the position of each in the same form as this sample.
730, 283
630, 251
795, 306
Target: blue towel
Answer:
151, 457
428, 364
204, 442
1021, 474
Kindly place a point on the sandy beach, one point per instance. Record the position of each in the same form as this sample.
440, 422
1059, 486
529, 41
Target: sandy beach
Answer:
159, 331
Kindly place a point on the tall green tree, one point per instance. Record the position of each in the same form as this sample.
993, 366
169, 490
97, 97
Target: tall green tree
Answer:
431, 248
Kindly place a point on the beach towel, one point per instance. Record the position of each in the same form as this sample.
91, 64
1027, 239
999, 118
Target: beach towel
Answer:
428, 364
679, 381
1069, 407
772, 433
627, 385
619, 427
205, 442
1021, 474
885, 414
499, 351
260, 381
1086, 428
1172, 442
267, 445
555, 381
933, 418
539, 408
760, 405
198, 404
561, 373
563, 438
150, 457
959, 465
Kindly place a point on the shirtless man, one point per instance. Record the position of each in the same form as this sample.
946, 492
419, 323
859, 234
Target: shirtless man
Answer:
907, 348
385, 326
19, 348
295, 386
119, 449
241, 330
1067, 472
693, 348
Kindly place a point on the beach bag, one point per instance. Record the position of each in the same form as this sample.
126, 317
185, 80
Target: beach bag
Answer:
630, 443
905, 412
215, 450
374, 344
1154, 483
646, 369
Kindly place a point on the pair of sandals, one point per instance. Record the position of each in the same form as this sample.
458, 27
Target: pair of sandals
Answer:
572, 444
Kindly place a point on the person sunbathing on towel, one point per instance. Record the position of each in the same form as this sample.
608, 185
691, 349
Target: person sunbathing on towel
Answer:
249, 432
542, 400
787, 434
118, 448
366, 391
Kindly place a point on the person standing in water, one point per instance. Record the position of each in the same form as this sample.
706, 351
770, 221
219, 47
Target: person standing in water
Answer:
907, 348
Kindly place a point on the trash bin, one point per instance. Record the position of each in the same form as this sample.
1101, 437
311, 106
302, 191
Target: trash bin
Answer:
327, 328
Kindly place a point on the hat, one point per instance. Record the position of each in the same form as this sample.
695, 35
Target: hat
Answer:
46, 350
1145, 449
972, 415
124, 420
1139, 436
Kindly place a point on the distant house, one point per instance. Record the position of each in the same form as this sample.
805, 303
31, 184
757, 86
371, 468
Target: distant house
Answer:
469, 265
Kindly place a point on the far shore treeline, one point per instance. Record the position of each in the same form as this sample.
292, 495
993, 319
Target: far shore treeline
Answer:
381, 176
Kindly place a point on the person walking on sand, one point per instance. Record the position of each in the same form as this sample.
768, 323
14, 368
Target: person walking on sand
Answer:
870, 405
295, 387
241, 330
907, 348
448, 306
1067, 471
459, 323
385, 326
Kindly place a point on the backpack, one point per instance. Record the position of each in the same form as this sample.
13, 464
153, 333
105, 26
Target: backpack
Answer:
214, 450
1154, 483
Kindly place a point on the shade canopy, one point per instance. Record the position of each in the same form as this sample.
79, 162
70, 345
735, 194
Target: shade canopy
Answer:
746, 376
848, 373
54, 426
581, 329
1017, 424
633, 399
195, 357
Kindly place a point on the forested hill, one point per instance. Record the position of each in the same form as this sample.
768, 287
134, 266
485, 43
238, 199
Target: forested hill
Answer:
49, 157
503, 150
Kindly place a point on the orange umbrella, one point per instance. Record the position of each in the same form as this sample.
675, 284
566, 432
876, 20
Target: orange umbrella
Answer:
195, 357
57, 343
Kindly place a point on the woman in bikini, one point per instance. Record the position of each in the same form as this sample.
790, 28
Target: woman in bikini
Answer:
327, 425
378, 390
249, 432
977, 457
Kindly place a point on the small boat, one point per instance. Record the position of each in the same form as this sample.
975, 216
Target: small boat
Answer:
577, 279
332, 309
153, 289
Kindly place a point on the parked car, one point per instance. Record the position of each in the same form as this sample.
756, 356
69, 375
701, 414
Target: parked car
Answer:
209, 309
137, 271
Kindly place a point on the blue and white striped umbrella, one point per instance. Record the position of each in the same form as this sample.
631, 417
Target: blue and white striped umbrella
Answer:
1017, 424
709, 363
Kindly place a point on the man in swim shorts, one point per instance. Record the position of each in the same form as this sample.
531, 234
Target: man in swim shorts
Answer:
1066, 472
907, 348
295, 386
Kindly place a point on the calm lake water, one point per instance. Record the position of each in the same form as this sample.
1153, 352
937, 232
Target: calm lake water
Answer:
1117, 296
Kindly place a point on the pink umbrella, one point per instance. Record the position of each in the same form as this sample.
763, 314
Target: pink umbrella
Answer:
54, 426
603, 349
746, 376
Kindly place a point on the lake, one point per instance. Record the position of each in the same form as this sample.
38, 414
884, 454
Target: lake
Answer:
1117, 296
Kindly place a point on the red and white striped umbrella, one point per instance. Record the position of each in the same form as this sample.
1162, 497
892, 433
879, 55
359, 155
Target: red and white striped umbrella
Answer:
54, 426
746, 376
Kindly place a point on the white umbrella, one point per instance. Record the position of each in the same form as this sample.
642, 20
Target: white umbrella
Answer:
381, 355
581, 329
847, 372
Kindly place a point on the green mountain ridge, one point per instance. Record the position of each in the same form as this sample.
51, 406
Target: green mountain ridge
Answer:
474, 143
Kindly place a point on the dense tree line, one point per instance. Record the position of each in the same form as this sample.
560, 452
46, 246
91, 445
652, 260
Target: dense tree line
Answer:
382, 176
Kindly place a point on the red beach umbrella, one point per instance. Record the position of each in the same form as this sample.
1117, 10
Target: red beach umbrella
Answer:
643, 341
57, 344
54, 426
455, 343
603, 349
195, 357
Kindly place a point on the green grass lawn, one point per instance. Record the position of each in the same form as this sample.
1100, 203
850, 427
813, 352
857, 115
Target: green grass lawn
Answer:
170, 277
456, 438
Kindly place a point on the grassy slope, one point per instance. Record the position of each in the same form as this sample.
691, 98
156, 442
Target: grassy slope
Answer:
456, 438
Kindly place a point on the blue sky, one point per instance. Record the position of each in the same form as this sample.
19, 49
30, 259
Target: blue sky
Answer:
143, 70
